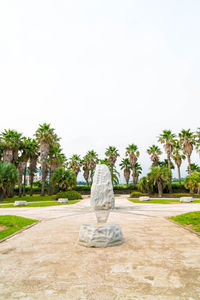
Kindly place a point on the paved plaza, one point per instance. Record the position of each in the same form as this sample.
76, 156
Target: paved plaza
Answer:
158, 259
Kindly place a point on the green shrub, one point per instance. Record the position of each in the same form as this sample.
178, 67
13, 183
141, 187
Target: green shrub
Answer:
70, 195
136, 194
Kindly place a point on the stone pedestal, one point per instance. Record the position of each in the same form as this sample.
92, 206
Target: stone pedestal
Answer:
145, 198
63, 200
20, 203
100, 235
186, 199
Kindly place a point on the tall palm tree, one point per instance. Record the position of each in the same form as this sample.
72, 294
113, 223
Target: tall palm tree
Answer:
133, 154
45, 136
86, 168
22, 162
112, 154
126, 166
55, 160
93, 160
178, 157
113, 171
33, 158
167, 138
154, 152
75, 163
138, 171
187, 141
197, 136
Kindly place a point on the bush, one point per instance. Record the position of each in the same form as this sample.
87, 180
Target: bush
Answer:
136, 194
70, 195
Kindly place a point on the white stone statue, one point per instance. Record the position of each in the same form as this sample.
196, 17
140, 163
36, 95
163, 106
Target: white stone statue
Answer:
102, 234
102, 196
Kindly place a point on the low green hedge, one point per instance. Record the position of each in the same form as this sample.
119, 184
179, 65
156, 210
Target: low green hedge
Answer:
70, 195
136, 194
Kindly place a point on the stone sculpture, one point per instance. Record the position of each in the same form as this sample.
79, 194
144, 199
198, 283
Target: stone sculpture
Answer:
102, 234
102, 196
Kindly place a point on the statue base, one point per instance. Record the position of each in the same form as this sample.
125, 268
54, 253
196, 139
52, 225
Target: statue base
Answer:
100, 235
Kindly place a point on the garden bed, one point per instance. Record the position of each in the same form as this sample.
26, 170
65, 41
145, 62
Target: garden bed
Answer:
189, 220
11, 224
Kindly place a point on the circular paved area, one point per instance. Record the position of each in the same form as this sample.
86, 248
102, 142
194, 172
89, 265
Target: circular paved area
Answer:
158, 260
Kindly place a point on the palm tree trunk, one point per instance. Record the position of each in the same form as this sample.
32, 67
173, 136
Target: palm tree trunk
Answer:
189, 164
24, 187
31, 184
160, 189
50, 184
133, 168
44, 176
179, 174
169, 167
20, 185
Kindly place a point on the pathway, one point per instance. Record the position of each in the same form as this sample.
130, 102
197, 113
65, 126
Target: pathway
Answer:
158, 259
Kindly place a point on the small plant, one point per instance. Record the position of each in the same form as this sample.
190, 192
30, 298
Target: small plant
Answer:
70, 195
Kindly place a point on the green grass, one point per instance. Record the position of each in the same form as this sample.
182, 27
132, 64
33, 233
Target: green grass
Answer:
40, 204
190, 220
159, 201
13, 224
28, 198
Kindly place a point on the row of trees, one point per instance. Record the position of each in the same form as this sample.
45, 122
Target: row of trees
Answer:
25, 154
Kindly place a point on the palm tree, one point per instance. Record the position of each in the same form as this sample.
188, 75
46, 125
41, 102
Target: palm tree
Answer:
192, 182
178, 156
22, 162
160, 176
8, 178
64, 179
112, 154
75, 163
46, 137
113, 171
194, 168
187, 140
55, 160
167, 138
93, 160
197, 136
10, 142
133, 153
138, 171
33, 158
86, 168
154, 152
126, 166
164, 163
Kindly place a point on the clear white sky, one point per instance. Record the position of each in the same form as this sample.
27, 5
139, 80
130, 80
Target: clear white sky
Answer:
101, 72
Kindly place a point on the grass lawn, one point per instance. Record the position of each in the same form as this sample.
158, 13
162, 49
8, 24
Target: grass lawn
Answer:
40, 204
11, 224
190, 220
160, 201
28, 198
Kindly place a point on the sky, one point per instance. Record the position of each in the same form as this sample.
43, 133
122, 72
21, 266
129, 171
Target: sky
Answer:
101, 72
